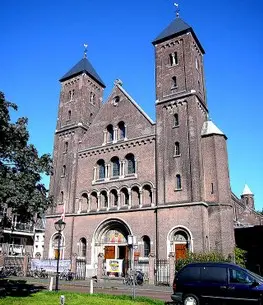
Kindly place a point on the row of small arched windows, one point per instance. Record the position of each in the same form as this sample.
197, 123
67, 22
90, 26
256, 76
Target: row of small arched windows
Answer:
133, 197
113, 134
116, 167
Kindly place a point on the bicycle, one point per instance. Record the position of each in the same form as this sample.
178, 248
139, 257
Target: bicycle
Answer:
39, 273
66, 275
11, 271
136, 278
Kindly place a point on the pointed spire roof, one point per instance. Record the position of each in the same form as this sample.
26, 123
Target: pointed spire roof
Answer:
83, 66
247, 190
177, 27
209, 128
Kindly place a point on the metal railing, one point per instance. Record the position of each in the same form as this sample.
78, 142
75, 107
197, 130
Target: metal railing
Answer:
12, 249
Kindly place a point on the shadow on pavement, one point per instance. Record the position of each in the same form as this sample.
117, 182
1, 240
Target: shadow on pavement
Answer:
18, 288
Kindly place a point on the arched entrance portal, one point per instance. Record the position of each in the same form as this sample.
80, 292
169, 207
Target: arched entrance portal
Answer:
111, 239
179, 242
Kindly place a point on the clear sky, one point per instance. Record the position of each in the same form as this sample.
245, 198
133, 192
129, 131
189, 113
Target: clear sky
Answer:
41, 40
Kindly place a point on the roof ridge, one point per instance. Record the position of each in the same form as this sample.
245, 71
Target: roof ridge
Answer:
135, 104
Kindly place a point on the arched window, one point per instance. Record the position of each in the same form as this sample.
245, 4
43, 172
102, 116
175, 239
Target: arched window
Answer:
57, 246
176, 119
114, 198
115, 166
174, 82
92, 98
84, 202
176, 149
82, 247
110, 133
104, 199
135, 193
69, 115
93, 201
173, 59
64, 170
178, 182
122, 130
147, 195
101, 171
146, 246
124, 197
61, 197
66, 147
130, 164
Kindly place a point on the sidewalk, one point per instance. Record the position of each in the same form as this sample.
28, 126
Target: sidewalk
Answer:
105, 283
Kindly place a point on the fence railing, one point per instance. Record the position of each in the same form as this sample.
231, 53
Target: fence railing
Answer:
162, 272
12, 249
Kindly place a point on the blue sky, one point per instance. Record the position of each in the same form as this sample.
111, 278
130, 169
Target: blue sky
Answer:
42, 40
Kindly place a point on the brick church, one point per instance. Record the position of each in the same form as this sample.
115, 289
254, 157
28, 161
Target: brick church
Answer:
118, 173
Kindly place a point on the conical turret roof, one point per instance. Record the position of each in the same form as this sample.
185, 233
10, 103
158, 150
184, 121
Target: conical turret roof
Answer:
209, 128
83, 66
247, 190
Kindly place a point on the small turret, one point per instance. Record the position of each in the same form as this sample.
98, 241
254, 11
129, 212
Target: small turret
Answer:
247, 197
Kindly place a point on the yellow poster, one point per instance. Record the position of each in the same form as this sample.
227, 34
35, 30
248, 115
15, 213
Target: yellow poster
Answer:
114, 265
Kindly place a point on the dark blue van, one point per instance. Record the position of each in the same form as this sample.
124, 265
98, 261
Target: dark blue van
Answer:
217, 283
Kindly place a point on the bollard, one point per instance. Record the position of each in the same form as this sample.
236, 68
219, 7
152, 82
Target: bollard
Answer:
91, 286
62, 300
51, 283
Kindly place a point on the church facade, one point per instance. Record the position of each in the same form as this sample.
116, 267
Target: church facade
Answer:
117, 173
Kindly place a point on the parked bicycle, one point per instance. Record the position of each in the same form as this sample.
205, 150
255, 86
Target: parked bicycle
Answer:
66, 275
136, 278
7, 271
38, 273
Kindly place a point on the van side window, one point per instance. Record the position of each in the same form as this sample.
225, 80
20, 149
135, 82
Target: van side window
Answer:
190, 274
240, 277
213, 274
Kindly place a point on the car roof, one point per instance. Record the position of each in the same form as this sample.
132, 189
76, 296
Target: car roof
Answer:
212, 264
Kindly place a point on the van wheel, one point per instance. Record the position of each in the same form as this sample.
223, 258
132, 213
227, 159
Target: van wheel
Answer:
191, 299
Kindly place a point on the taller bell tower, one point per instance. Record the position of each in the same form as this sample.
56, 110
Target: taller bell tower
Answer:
181, 111
80, 100
192, 163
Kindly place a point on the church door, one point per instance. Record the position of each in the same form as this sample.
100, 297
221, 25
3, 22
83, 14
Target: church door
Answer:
109, 252
180, 251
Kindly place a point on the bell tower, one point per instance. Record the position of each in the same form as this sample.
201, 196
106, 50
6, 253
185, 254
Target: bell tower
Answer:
80, 100
181, 111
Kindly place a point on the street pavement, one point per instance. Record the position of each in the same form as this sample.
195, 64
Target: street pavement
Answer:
107, 286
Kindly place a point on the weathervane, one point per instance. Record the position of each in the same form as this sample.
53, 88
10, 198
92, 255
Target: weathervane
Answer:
177, 9
85, 50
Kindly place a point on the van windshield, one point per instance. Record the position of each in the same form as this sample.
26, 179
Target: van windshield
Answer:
256, 276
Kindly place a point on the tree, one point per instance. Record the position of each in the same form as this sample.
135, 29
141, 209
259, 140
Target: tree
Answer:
21, 167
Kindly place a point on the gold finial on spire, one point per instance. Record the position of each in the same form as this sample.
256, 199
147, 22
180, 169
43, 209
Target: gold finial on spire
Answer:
85, 50
177, 9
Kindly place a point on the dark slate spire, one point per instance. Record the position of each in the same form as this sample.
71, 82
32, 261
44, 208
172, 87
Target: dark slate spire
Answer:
176, 27
83, 66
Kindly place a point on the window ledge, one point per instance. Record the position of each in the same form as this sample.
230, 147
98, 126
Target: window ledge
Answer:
130, 175
172, 66
112, 179
174, 88
177, 156
178, 190
176, 126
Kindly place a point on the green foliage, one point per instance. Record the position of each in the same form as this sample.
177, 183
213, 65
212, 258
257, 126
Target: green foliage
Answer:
240, 257
51, 298
200, 257
21, 167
